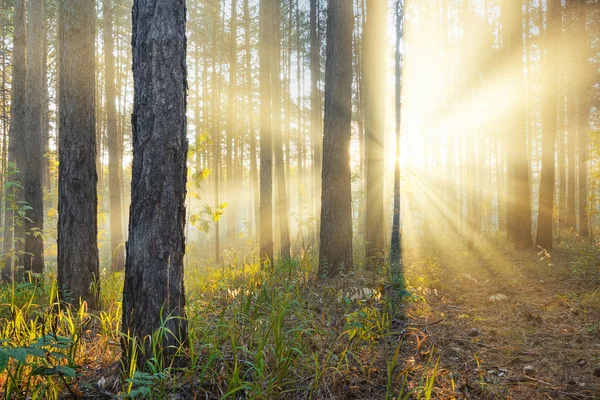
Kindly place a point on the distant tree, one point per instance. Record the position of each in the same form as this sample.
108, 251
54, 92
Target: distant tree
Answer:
335, 251
33, 167
571, 83
266, 142
153, 294
17, 140
583, 116
512, 39
251, 132
77, 195
231, 138
544, 228
374, 85
114, 162
281, 204
396, 243
315, 102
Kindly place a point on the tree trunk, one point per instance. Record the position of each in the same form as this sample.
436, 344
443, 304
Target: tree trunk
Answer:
216, 132
517, 125
153, 295
374, 70
583, 122
281, 205
114, 166
231, 128
77, 176
266, 152
396, 243
299, 122
571, 120
33, 167
252, 138
544, 231
335, 252
4, 136
315, 104
16, 141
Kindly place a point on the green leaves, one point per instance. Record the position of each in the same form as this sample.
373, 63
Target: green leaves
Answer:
47, 371
3, 361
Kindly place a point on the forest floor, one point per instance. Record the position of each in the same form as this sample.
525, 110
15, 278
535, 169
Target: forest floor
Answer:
487, 324
510, 325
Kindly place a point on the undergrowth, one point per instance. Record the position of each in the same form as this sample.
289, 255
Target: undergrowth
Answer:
253, 333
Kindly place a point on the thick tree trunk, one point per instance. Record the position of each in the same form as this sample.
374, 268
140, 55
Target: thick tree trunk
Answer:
114, 166
544, 231
374, 70
77, 192
33, 168
266, 144
335, 252
153, 294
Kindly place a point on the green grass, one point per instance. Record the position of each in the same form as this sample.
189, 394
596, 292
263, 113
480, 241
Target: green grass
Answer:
257, 333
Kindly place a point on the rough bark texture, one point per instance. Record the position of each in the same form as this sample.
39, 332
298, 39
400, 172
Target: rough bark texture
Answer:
114, 165
335, 252
16, 142
544, 229
33, 167
77, 178
374, 70
266, 152
153, 294
517, 126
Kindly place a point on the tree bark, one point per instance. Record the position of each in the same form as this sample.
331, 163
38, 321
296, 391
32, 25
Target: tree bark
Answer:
281, 205
517, 125
114, 166
266, 144
33, 168
252, 134
572, 79
231, 128
335, 252
315, 104
374, 70
77, 191
153, 295
544, 231
583, 120
16, 134
396, 243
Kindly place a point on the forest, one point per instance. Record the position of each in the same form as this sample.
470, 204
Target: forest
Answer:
300, 199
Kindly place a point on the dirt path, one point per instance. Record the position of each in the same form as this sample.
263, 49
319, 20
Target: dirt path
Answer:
508, 325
